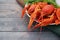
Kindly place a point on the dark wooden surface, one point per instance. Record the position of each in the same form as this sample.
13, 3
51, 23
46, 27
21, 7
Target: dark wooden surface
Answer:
12, 27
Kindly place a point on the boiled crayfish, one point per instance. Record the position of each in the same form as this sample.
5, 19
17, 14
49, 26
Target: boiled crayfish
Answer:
42, 12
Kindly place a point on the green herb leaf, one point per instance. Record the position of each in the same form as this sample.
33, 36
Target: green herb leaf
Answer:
48, 1
51, 2
32, 1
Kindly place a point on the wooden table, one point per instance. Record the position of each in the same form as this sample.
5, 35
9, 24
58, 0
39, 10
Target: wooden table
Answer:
12, 27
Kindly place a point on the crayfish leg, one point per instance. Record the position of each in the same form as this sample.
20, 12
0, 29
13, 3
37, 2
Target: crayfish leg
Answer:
32, 18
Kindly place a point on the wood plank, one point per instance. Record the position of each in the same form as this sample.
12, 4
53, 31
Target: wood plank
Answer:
27, 36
